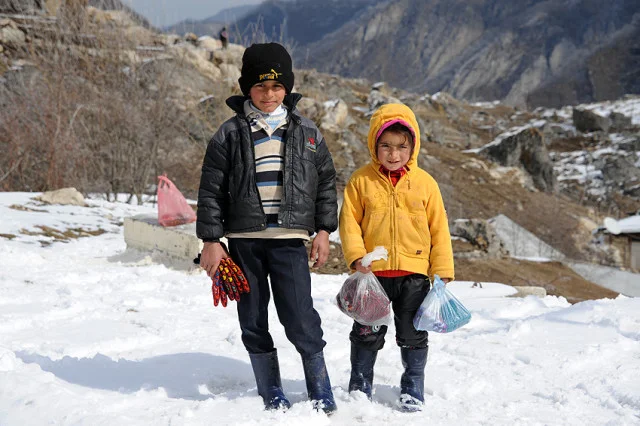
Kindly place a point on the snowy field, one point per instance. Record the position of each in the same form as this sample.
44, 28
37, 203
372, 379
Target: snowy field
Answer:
92, 334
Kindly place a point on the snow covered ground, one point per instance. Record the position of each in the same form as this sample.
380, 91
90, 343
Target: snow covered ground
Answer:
91, 334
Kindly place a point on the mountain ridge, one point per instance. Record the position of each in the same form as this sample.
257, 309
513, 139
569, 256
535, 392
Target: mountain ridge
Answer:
477, 51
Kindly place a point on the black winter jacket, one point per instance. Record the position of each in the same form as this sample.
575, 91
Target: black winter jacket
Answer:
228, 199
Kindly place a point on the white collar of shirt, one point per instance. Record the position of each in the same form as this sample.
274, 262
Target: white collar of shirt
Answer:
256, 116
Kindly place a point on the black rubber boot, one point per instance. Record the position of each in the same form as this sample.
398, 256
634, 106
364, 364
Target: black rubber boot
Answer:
318, 384
362, 362
412, 380
267, 372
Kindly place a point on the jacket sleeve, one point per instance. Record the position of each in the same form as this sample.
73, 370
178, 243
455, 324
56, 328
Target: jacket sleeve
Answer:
351, 215
326, 215
212, 195
441, 257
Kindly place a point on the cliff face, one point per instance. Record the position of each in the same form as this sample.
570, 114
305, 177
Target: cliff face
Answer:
608, 72
524, 52
298, 22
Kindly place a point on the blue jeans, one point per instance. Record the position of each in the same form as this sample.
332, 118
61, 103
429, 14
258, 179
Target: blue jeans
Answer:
283, 263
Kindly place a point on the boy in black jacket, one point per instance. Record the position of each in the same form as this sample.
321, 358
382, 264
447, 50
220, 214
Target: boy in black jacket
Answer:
268, 183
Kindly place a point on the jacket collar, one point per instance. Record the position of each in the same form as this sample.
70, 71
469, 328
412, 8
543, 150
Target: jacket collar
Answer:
236, 103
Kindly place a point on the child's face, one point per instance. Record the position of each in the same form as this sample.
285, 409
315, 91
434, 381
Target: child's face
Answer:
394, 150
267, 95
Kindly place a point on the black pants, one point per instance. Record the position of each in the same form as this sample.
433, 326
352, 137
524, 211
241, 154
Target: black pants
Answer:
406, 294
284, 264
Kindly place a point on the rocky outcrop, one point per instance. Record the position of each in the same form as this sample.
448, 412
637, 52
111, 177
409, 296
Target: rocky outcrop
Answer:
21, 6
481, 235
524, 147
10, 35
620, 173
588, 121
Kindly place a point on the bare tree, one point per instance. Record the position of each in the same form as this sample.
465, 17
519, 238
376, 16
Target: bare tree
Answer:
85, 110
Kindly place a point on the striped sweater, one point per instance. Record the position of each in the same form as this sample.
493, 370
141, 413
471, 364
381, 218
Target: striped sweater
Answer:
268, 132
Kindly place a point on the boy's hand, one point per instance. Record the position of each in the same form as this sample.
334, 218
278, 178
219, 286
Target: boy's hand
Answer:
212, 254
320, 249
360, 268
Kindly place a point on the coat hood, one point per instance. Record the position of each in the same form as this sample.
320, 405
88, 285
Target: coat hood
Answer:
387, 115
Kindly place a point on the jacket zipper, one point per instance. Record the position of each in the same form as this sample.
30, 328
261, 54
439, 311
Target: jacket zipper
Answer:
395, 204
394, 228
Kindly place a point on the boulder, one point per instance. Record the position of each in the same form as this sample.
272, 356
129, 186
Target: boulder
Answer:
336, 113
199, 59
631, 144
310, 108
191, 38
620, 121
10, 34
620, 173
208, 43
588, 121
524, 147
378, 96
64, 196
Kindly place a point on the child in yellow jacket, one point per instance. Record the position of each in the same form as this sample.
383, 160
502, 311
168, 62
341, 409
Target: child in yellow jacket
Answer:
391, 202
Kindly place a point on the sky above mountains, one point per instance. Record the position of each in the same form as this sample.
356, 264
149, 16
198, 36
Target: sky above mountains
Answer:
162, 13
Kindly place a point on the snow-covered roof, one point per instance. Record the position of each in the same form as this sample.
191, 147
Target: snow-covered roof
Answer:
628, 225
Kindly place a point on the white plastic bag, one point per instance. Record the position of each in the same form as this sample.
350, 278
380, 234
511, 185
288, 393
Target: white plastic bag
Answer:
440, 311
362, 296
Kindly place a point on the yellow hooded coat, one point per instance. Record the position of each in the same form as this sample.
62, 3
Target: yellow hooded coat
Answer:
409, 220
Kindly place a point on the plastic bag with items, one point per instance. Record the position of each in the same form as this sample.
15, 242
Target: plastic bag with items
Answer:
173, 208
362, 296
440, 311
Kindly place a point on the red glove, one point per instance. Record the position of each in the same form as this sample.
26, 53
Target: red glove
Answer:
238, 277
228, 283
217, 289
226, 279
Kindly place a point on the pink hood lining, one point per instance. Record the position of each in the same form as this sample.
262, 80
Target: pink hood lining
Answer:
389, 123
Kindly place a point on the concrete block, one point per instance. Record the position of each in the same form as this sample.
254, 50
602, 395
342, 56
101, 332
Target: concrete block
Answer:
143, 232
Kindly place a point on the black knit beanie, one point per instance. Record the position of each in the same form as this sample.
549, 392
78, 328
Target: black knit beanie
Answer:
266, 61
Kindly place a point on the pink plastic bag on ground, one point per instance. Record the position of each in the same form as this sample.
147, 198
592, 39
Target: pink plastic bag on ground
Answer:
173, 208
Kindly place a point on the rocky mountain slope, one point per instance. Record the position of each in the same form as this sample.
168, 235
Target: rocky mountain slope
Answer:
524, 52
554, 172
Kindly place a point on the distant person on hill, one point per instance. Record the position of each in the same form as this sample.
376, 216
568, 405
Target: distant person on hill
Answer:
268, 183
391, 202
224, 37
